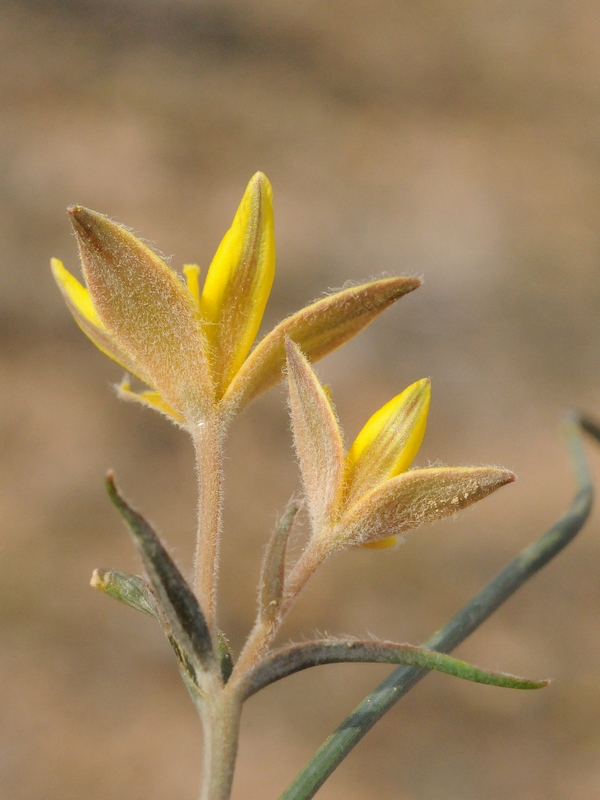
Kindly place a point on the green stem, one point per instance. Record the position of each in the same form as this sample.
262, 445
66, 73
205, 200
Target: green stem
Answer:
220, 713
467, 620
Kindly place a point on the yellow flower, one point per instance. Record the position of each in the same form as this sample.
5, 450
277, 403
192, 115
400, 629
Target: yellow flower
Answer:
368, 496
192, 348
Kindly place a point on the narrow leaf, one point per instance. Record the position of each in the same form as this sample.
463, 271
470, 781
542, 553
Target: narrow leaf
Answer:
129, 589
414, 498
590, 426
175, 598
318, 329
225, 656
273, 568
317, 438
294, 658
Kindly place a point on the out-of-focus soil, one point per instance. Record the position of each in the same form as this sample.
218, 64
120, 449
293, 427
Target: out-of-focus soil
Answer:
459, 142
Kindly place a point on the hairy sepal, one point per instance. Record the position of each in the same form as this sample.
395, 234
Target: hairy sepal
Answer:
147, 311
79, 303
317, 439
413, 499
317, 329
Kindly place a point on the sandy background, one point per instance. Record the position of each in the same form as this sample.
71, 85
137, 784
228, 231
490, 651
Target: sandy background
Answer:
455, 141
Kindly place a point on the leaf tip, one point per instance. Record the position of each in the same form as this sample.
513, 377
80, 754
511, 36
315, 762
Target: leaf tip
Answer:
292, 350
505, 476
96, 580
83, 220
112, 490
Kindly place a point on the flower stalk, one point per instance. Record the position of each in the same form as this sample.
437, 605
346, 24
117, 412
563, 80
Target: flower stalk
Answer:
208, 436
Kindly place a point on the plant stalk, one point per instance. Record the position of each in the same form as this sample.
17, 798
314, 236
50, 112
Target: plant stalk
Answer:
265, 630
220, 713
208, 437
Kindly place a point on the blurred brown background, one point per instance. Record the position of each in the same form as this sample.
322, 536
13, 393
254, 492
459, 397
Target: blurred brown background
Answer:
455, 141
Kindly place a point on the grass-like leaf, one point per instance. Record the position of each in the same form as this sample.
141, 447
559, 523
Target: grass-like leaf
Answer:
296, 657
187, 624
273, 567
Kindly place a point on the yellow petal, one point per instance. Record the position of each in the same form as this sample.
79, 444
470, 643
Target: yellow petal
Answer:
192, 276
75, 294
317, 329
328, 395
146, 310
381, 544
318, 441
414, 498
389, 442
239, 281
80, 305
150, 399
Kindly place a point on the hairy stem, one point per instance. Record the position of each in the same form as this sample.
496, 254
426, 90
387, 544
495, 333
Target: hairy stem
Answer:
220, 714
265, 630
208, 436
308, 563
261, 636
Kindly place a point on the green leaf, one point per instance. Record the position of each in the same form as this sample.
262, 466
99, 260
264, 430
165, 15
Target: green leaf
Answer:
186, 622
287, 660
225, 656
273, 567
129, 589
